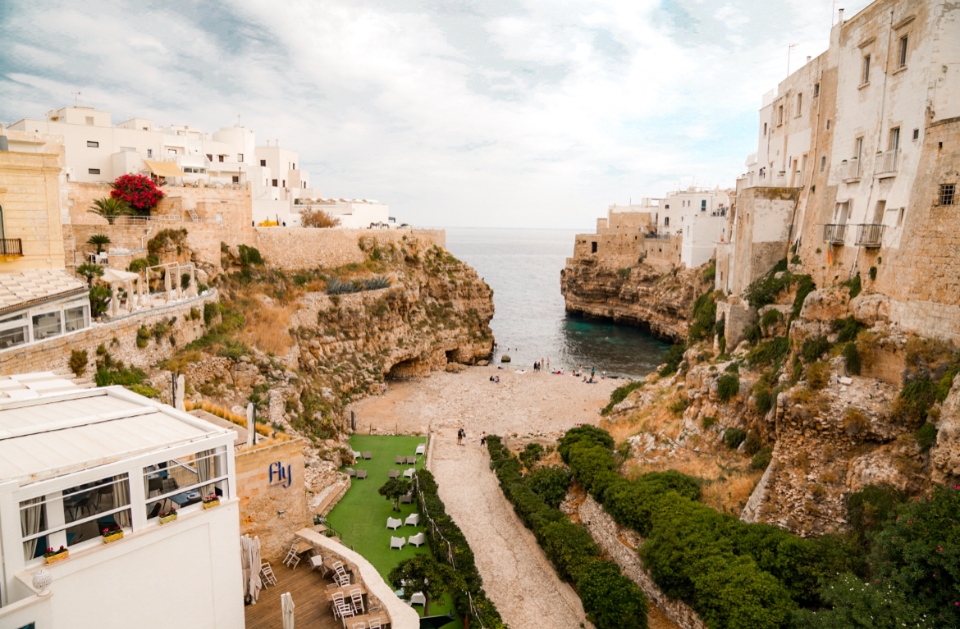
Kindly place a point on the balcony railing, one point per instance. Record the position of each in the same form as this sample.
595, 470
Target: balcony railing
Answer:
887, 163
11, 247
851, 170
834, 234
869, 235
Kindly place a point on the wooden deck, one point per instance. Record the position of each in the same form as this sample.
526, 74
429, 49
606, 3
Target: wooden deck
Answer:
308, 590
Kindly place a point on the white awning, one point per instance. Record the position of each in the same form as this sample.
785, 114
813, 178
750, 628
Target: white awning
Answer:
164, 169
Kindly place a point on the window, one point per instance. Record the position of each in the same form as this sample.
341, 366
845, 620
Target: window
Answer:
823, 162
13, 331
77, 514
916, 134
274, 183
903, 52
816, 90
703, 205
293, 166
593, 247
263, 162
764, 128
46, 325
184, 481
780, 116
239, 157
900, 214
865, 70
799, 104
171, 151
828, 125
209, 157
284, 183
149, 152
93, 171
947, 193
666, 221
93, 144
858, 149
236, 179
220, 158
75, 318
893, 143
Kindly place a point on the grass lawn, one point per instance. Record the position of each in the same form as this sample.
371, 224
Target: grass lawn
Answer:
361, 515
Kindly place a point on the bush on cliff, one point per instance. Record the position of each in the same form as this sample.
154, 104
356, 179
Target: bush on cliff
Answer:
620, 394
671, 360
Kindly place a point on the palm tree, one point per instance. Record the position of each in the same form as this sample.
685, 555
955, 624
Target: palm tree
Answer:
90, 271
99, 241
110, 208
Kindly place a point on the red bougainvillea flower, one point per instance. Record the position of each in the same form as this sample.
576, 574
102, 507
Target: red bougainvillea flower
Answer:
137, 191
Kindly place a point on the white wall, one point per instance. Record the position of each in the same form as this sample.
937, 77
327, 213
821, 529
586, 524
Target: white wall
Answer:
700, 235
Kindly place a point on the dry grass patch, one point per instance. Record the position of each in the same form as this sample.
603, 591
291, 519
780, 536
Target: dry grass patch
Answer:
267, 328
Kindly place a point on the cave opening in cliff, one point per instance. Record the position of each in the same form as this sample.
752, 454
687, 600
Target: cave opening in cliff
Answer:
403, 370
451, 355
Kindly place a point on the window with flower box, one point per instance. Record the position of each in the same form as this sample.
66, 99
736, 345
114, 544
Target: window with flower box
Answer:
184, 482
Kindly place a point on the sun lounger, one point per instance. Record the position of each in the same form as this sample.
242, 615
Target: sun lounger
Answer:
394, 523
397, 542
408, 473
413, 519
411, 460
422, 448
417, 540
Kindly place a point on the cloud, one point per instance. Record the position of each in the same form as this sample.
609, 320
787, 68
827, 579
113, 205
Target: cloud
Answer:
500, 112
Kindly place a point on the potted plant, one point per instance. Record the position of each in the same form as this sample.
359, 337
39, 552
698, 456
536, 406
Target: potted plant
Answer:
111, 533
210, 501
168, 516
53, 556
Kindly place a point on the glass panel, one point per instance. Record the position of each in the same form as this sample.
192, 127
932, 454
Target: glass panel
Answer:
75, 318
183, 482
92, 507
10, 338
46, 325
33, 519
18, 317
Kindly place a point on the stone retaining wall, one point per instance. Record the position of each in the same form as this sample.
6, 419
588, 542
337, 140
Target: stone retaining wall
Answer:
607, 534
118, 336
293, 248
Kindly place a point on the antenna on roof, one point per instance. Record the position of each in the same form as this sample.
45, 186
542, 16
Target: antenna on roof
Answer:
76, 98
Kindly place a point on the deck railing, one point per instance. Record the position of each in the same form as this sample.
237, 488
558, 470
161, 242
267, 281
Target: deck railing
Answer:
834, 234
869, 235
11, 246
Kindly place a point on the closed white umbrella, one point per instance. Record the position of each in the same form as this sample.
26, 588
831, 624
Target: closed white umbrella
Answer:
245, 564
255, 584
286, 605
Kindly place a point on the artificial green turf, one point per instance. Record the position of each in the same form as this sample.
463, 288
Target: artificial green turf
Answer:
361, 515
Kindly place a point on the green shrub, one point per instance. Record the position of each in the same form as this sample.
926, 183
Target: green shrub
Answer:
763, 399
769, 352
138, 265
818, 375
678, 406
915, 399
704, 317
770, 318
250, 256
550, 483
854, 285
762, 458
624, 272
764, 291
194, 314
211, 310
733, 437
620, 394
813, 349
78, 361
612, 601
869, 509
752, 444
710, 273
99, 295
873, 274
846, 329
145, 390
708, 421
671, 360
143, 336
926, 436
805, 286
531, 454
727, 387
852, 356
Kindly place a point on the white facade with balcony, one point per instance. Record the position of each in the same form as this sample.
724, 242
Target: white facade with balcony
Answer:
82, 461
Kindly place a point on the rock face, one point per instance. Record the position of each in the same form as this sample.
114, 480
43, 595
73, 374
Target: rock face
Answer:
644, 297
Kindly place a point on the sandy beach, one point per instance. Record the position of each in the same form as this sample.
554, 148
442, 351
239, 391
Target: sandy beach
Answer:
517, 576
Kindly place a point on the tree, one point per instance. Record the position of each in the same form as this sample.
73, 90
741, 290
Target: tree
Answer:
99, 295
90, 271
394, 489
99, 241
318, 218
138, 192
110, 209
423, 573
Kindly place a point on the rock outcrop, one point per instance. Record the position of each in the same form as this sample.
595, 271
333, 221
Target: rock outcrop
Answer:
643, 296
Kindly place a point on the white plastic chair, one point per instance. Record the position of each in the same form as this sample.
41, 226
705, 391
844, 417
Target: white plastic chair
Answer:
418, 599
397, 542
413, 519
266, 574
421, 448
292, 558
394, 523
417, 540
408, 473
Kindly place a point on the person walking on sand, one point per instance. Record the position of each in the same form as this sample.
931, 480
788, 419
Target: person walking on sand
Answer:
460, 436
483, 439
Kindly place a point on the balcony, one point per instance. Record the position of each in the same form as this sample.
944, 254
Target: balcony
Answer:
834, 234
870, 235
887, 164
11, 247
850, 170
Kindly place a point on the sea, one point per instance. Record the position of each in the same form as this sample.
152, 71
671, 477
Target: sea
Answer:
523, 266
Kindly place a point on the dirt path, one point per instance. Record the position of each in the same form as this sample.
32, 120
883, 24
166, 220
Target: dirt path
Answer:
516, 575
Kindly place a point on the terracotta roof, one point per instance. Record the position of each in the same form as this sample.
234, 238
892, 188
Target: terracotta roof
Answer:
29, 287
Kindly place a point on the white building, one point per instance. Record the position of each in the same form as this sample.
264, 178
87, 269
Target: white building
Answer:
75, 463
352, 213
39, 305
678, 208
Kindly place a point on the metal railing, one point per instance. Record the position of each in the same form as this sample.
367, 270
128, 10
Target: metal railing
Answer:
850, 170
869, 235
887, 163
11, 246
834, 234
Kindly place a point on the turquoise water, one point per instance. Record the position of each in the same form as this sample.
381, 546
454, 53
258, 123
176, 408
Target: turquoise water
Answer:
523, 268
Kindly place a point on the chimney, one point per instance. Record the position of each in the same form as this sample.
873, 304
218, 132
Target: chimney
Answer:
841, 16
809, 58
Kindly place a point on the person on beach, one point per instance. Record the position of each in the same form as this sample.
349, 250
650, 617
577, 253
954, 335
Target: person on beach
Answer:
460, 436
483, 439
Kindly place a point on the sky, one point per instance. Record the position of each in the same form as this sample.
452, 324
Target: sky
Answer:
457, 113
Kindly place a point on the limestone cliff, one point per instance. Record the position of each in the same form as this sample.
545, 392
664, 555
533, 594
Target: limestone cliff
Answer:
641, 295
